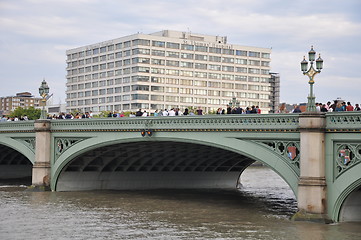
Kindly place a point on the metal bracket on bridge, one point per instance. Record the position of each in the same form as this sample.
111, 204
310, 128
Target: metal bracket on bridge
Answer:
145, 132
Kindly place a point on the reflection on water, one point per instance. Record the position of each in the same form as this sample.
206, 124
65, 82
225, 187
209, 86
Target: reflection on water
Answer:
259, 210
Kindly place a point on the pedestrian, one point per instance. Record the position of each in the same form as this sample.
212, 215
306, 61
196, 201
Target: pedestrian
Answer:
324, 108
349, 107
296, 109
339, 107
139, 113
357, 107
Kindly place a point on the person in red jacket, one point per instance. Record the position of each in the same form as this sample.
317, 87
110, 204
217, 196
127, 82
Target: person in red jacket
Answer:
349, 107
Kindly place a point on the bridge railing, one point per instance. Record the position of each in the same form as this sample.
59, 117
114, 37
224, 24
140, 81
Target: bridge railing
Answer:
343, 121
272, 122
16, 126
336, 121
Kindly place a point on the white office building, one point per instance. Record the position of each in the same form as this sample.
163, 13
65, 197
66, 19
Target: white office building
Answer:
164, 70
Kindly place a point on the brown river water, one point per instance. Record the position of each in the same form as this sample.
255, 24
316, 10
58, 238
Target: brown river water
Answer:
260, 209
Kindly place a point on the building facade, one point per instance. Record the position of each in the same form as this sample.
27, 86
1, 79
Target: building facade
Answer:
275, 92
23, 99
167, 69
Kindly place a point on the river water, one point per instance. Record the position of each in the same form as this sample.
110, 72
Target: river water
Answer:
261, 209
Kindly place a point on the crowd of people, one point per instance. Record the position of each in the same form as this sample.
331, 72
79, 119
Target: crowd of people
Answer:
336, 106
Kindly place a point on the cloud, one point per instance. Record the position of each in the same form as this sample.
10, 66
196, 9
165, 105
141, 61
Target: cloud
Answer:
35, 35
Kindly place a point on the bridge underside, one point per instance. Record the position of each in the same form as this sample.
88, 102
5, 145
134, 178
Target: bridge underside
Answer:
14, 165
145, 165
351, 208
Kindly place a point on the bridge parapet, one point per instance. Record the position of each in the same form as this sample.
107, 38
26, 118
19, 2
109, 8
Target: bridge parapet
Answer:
17, 126
269, 122
343, 121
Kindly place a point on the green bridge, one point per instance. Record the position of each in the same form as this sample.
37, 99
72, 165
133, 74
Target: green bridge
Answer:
317, 155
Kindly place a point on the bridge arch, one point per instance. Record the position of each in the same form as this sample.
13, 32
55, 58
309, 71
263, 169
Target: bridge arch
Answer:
346, 204
247, 149
16, 159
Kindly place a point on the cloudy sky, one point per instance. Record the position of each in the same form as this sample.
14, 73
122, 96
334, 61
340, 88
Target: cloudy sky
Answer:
34, 35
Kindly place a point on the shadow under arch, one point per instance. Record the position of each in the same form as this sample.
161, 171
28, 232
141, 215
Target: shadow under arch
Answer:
248, 150
14, 165
347, 207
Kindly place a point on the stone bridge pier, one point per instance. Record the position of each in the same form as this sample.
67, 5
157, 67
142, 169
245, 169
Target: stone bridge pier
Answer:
312, 189
42, 167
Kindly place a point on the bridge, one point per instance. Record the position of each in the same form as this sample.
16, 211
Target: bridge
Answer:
317, 155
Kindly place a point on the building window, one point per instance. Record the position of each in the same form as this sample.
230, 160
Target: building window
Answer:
200, 100
186, 99
201, 57
140, 87
215, 59
241, 69
241, 61
126, 53
140, 60
187, 55
111, 47
241, 53
201, 48
158, 44
215, 50
157, 89
173, 45
186, 73
214, 93
158, 61
118, 46
266, 55
171, 90
214, 75
186, 64
171, 98
240, 78
143, 42
172, 54
254, 63
127, 44
254, 54
140, 78
140, 97
172, 63
187, 47
200, 74
214, 67
157, 98
200, 83
228, 68
141, 51
228, 51
158, 53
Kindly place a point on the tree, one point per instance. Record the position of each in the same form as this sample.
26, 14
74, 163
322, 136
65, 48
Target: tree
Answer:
31, 112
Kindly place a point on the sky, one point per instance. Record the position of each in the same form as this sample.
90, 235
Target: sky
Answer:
35, 34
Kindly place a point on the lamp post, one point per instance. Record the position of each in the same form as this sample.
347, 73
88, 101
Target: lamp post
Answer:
234, 102
43, 91
311, 72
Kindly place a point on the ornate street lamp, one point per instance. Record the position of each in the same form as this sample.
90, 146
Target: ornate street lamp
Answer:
234, 102
311, 72
43, 91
